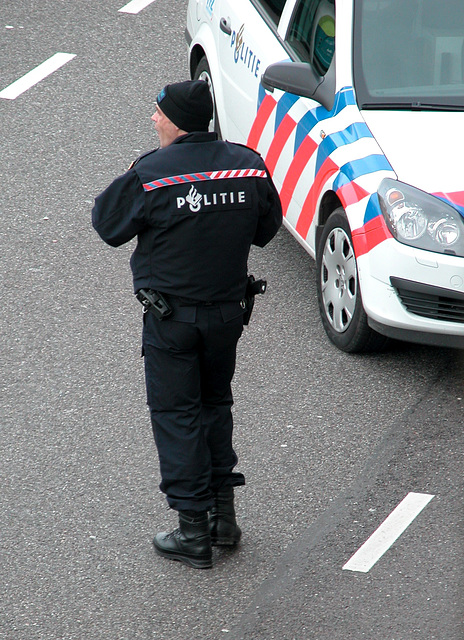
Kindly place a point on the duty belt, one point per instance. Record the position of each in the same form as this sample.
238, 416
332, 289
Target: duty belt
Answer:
190, 302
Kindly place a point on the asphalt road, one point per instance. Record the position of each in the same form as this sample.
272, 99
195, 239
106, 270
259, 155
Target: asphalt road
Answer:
330, 443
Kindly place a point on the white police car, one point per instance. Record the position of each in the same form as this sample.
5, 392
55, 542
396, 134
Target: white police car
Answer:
357, 107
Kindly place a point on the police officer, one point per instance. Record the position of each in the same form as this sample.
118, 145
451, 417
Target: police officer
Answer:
196, 204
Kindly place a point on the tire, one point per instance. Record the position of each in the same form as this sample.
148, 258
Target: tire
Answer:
339, 296
202, 72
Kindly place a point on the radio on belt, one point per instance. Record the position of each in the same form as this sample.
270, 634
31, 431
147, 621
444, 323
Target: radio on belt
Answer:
152, 300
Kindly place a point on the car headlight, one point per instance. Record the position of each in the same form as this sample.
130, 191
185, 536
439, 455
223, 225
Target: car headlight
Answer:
421, 220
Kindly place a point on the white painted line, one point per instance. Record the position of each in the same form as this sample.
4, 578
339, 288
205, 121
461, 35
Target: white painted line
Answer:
36, 75
135, 6
389, 531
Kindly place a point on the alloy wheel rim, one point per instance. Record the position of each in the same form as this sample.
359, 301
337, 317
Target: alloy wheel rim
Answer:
339, 280
204, 75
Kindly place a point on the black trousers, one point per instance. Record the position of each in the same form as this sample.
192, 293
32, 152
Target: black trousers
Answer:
189, 366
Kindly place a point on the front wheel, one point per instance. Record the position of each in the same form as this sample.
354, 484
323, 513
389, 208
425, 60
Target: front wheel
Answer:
340, 303
202, 72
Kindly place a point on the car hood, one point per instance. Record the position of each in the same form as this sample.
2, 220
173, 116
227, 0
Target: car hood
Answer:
424, 148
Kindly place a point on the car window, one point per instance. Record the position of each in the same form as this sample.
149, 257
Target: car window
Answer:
273, 8
311, 33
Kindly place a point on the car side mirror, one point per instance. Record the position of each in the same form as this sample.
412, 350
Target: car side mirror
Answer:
301, 79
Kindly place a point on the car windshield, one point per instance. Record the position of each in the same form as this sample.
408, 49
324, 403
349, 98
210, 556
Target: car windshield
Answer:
409, 54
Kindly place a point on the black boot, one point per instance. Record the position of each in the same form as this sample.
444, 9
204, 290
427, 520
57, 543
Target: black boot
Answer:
222, 524
190, 543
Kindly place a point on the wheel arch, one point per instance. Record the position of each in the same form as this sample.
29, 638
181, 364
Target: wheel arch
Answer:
199, 49
329, 202
196, 54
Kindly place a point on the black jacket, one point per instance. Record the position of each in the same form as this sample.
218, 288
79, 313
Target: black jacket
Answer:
195, 206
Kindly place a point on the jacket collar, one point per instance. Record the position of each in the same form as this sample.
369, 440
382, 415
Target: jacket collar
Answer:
197, 136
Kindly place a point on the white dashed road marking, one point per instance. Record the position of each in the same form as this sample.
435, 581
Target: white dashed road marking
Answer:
135, 6
389, 531
36, 75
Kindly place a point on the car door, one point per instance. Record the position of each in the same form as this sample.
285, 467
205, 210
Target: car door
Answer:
289, 129
248, 42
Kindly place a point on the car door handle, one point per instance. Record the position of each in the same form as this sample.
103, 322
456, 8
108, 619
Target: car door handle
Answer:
224, 25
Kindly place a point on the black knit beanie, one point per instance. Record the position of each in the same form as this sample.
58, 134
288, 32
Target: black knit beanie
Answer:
187, 104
